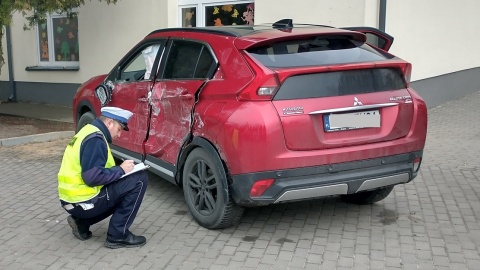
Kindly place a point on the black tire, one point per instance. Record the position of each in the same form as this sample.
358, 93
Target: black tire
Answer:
204, 181
85, 119
368, 197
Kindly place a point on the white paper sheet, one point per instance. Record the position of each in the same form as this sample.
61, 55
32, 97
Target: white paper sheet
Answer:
138, 167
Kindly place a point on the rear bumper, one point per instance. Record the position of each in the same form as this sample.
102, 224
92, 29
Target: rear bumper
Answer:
326, 180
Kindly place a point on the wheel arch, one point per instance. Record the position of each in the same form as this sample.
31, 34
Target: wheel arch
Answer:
199, 142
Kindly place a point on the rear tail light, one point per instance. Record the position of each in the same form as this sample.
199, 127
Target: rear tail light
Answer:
260, 186
261, 88
264, 85
268, 88
416, 164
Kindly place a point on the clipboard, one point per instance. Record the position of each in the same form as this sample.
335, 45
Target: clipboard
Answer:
138, 167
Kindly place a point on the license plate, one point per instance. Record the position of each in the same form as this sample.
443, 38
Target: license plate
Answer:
348, 121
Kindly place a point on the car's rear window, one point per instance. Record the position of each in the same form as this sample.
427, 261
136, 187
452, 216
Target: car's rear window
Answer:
315, 51
339, 83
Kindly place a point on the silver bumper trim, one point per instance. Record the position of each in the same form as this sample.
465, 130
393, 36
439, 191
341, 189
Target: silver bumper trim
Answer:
384, 181
339, 189
306, 193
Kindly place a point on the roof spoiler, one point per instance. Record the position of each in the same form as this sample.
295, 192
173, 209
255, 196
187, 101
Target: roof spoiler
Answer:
285, 23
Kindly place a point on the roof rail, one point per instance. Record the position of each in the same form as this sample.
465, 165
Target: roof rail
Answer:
285, 23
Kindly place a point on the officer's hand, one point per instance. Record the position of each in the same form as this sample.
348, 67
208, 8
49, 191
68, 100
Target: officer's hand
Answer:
127, 165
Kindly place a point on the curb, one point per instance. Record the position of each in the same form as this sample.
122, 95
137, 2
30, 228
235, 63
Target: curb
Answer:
45, 137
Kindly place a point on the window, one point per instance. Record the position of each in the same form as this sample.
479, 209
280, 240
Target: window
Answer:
189, 17
58, 41
315, 51
213, 13
188, 60
229, 14
140, 65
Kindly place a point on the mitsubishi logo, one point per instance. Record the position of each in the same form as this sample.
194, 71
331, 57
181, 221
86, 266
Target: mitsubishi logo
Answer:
357, 102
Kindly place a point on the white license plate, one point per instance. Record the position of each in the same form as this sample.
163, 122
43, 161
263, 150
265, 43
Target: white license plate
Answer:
347, 121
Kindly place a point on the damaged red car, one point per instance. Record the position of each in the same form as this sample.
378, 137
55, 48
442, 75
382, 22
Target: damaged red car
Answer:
255, 115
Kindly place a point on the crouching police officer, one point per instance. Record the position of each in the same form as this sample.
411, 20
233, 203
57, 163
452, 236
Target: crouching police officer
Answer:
89, 183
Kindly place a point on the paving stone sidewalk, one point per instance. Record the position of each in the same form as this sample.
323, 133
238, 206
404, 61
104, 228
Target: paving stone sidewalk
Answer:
431, 223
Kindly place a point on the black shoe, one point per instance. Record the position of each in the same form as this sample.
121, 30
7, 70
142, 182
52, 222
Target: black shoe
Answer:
80, 231
130, 241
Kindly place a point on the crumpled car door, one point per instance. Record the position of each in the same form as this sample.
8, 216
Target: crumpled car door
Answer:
187, 68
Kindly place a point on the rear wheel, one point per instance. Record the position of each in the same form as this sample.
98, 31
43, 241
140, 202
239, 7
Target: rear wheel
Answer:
85, 119
368, 197
204, 186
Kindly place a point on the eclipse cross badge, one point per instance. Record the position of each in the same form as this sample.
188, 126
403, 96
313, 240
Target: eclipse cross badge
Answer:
357, 102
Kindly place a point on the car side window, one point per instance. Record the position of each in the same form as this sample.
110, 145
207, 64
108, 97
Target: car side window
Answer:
188, 60
140, 65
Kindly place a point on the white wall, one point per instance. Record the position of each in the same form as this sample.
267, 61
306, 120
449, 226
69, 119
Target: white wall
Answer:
437, 37
324, 12
106, 33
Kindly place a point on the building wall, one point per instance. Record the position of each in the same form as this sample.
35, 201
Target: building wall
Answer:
437, 36
440, 39
324, 12
106, 33
440, 89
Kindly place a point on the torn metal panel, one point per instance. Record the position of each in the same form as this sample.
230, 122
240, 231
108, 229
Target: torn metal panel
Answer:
132, 97
199, 124
172, 104
149, 55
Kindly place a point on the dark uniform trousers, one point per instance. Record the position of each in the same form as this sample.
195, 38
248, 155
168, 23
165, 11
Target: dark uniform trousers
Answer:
120, 199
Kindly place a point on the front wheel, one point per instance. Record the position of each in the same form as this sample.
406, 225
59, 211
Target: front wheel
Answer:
85, 119
368, 197
204, 186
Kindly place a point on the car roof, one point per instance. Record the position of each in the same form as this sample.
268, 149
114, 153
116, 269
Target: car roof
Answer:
247, 36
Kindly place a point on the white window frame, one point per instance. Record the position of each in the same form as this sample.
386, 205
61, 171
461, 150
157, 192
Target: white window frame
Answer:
51, 47
200, 6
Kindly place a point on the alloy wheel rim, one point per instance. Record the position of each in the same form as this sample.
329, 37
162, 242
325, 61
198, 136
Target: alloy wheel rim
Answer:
203, 187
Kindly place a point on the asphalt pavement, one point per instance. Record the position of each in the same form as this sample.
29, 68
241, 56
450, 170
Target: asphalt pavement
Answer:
430, 223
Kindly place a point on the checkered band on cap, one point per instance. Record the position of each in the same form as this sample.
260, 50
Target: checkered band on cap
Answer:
117, 114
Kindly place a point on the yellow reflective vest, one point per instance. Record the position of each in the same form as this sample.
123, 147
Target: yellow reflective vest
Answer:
71, 187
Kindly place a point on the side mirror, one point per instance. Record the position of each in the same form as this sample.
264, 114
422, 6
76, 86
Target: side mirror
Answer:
104, 92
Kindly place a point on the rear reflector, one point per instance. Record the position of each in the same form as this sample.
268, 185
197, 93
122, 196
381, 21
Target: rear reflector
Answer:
260, 186
416, 163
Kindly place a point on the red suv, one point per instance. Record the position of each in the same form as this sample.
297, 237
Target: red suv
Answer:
248, 116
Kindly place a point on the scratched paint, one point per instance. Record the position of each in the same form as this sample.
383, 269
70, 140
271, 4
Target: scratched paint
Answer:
170, 123
198, 121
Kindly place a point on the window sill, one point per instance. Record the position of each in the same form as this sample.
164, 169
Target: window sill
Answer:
52, 68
